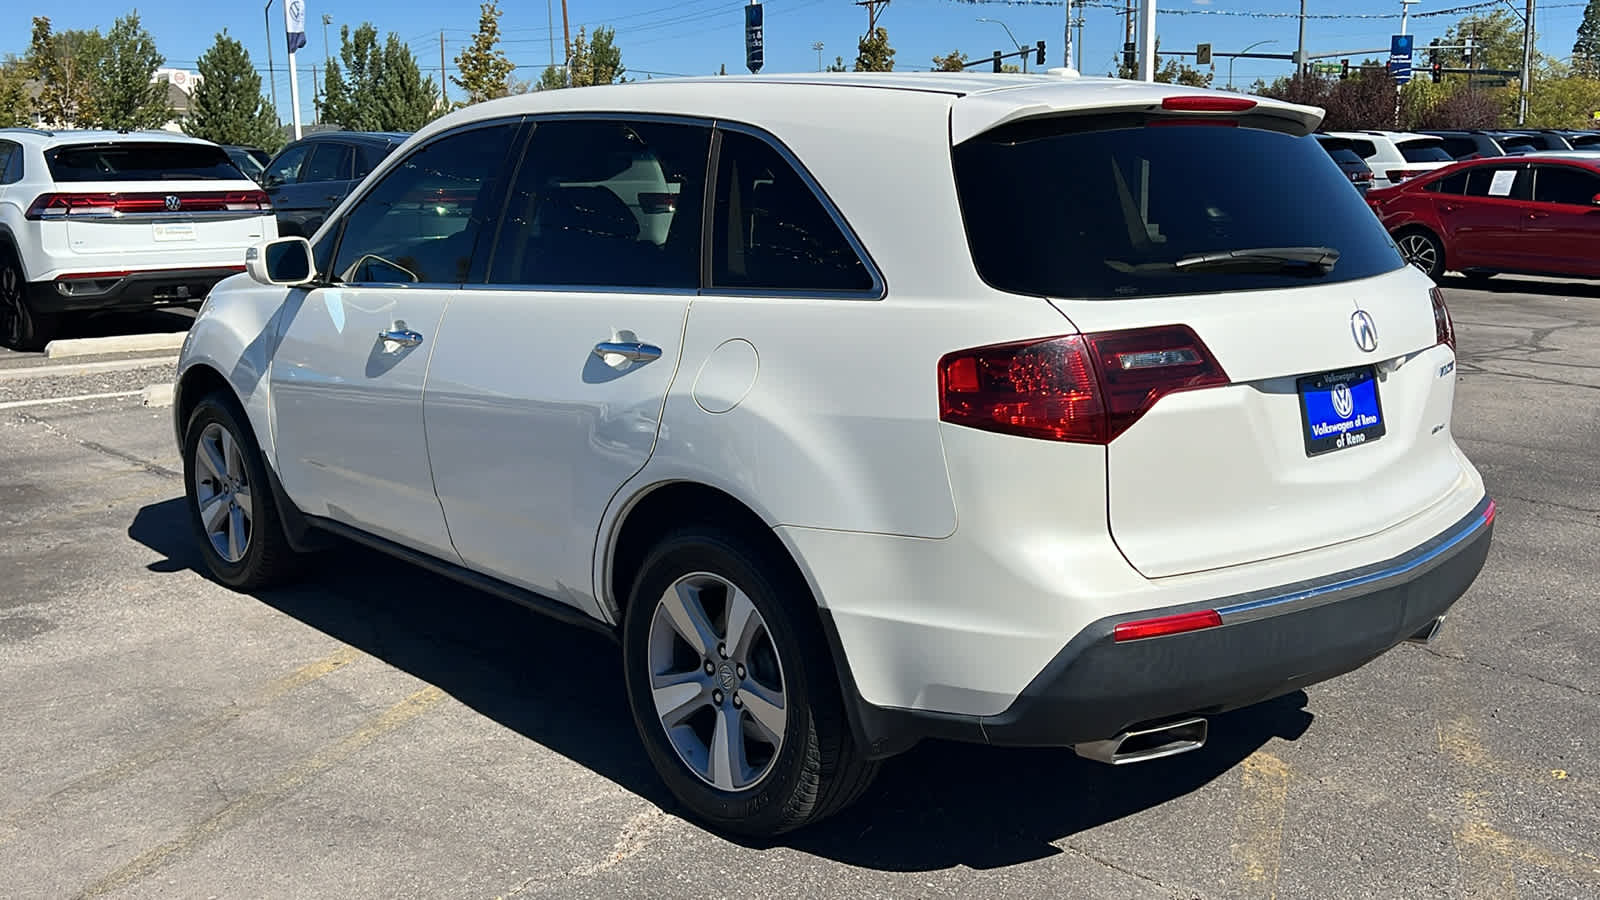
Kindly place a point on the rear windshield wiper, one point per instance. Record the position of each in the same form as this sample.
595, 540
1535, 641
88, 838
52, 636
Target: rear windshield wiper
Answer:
1319, 258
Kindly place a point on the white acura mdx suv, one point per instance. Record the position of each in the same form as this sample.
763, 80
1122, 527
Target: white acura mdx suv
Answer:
92, 221
842, 455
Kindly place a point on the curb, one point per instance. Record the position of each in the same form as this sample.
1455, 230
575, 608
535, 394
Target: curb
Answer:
157, 395
126, 343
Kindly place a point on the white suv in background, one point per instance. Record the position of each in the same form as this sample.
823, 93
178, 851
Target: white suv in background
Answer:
100, 220
840, 456
1395, 156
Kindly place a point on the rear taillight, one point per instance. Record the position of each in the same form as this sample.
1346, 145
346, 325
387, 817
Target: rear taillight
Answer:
66, 206
1399, 175
1444, 330
1178, 624
1363, 176
1081, 388
1208, 103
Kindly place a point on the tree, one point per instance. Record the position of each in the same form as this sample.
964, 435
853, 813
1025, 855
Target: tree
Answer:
873, 53
67, 68
1451, 108
1174, 72
837, 65
16, 107
1563, 99
954, 61
227, 106
349, 96
484, 66
406, 100
596, 60
125, 97
1586, 51
1496, 42
1366, 100
552, 78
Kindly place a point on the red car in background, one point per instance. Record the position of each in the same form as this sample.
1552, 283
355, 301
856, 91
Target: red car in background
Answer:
1531, 215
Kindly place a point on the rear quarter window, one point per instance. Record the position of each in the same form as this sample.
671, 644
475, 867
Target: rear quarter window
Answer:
132, 161
1113, 210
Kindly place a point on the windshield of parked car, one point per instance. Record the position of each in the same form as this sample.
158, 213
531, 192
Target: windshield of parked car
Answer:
1057, 208
156, 161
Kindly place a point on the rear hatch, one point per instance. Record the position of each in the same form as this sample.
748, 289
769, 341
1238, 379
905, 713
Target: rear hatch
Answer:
1422, 155
1293, 412
161, 200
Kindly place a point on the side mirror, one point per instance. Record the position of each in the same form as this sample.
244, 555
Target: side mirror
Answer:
285, 262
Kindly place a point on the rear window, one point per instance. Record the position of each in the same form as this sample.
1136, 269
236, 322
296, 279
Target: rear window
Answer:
1346, 157
1123, 211
1425, 151
1584, 140
141, 162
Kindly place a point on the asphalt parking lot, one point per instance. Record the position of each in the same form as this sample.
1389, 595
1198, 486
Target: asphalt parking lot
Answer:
379, 732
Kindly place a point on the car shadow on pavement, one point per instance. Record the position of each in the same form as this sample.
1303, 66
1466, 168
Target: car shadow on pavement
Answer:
1511, 284
938, 806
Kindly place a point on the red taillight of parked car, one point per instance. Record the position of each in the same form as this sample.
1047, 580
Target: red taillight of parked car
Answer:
1178, 624
1444, 330
1080, 388
65, 206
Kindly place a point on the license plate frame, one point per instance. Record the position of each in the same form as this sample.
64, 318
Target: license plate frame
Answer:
1326, 426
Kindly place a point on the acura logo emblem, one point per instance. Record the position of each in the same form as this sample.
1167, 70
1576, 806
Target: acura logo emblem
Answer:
1362, 329
173, 203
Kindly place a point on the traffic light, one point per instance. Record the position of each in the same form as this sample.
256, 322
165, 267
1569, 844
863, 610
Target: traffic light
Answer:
1438, 71
1129, 61
997, 60
1039, 56
1344, 69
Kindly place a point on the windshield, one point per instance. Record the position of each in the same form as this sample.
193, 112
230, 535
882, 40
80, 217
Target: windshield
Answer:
164, 161
1111, 213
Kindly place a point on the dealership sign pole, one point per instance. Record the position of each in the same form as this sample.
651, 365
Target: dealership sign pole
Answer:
294, 24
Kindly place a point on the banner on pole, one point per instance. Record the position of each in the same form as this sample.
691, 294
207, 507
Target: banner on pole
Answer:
294, 23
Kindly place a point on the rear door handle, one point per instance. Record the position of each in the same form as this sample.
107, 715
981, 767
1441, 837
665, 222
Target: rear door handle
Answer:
633, 351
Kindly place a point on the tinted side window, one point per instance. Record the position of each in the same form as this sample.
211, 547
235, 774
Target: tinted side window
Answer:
286, 168
771, 232
329, 162
1565, 184
421, 222
606, 203
10, 162
1498, 181
1459, 148
1450, 184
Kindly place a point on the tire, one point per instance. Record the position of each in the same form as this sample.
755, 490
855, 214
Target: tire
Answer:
814, 769
218, 438
1478, 277
1422, 249
21, 327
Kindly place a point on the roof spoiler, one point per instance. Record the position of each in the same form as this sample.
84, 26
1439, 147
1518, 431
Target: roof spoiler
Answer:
984, 111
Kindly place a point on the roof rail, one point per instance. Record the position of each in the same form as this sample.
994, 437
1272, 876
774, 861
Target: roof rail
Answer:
30, 130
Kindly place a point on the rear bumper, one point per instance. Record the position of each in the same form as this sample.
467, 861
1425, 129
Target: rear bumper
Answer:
127, 290
1269, 643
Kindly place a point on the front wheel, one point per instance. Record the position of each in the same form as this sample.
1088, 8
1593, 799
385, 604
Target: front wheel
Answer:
732, 689
1423, 250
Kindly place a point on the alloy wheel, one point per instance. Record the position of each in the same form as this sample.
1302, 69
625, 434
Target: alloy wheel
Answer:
11, 312
717, 681
1419, 251
222, 492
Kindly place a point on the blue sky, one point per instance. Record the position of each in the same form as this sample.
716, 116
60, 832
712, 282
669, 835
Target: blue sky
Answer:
697, 36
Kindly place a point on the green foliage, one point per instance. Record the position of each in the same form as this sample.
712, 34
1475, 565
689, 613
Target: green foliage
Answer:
485, 69
951, 62
596, 60
1562, 99
554, 77
16, 107
837, 65
1496, 40
1586, 51
125, 97
67, 67
227, 106
377, 88
1174, 72
873, 53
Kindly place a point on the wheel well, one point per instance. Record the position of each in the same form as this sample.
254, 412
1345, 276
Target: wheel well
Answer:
674, 506
195, 385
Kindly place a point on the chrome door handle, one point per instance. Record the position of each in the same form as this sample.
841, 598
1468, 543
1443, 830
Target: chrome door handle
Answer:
633, 351
403, 336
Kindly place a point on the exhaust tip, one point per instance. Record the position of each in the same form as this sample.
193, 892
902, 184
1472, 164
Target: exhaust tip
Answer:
1145, 744
1428, 632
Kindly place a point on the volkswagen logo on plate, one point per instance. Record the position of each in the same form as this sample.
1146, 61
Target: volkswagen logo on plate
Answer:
1343, 403
1364, 331
173, 203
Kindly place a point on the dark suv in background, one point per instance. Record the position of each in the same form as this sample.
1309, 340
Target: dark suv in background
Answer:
1469, 144
309, 177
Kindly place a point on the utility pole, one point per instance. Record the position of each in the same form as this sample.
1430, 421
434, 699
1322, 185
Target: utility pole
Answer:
327, 57
566, 35
1527, 65
444, 89
874, 10
1147, 38
1066, 46
1127, 37
817, 46
1300, 55
272, 76
316, 98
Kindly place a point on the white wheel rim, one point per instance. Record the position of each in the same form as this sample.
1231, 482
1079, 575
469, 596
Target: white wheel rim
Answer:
222, 492
717, 682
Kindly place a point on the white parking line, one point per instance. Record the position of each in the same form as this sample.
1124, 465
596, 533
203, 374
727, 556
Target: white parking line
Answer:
19, 404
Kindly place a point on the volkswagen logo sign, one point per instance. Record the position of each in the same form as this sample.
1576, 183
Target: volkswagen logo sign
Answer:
1343, 403
1364, 331
173, 203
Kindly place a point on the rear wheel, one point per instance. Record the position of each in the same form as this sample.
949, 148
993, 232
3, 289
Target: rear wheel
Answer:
732, 689
1423, 250
21, 328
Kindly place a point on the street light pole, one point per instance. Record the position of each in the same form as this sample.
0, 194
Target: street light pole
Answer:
272, 78
1245, 50
817, 46
1013, 38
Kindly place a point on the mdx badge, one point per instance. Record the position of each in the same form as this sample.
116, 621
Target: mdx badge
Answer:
1364, 331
